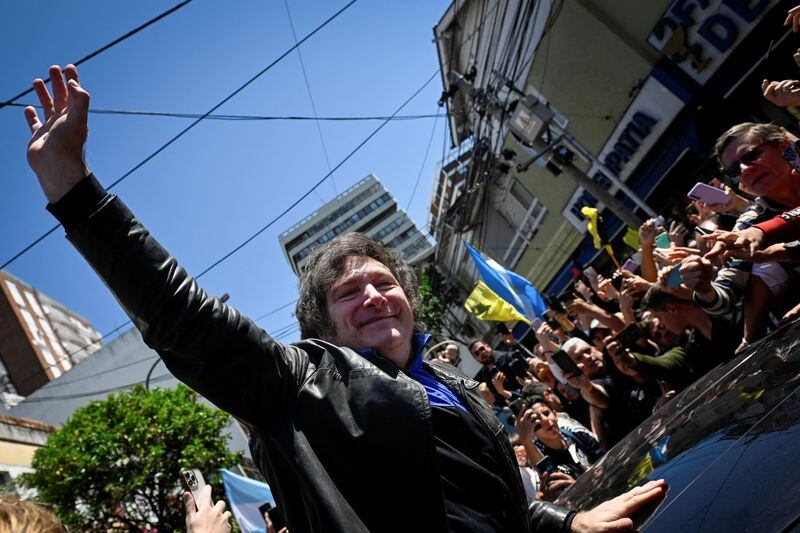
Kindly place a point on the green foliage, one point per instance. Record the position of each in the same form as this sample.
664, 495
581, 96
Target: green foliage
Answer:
115, 464
431, 308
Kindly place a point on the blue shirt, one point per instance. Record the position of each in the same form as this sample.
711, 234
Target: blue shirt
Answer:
438, 394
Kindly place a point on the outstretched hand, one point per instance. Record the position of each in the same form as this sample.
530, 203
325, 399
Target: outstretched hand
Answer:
55, 151
203, 517
618, 514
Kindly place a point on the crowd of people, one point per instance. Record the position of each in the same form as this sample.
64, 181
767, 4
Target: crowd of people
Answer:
700, 288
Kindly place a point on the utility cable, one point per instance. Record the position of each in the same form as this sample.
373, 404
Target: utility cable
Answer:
310, 96
422, 166
126, 323
100, 373
104, 48
296, 202
162, 377
190, 126
240, 117
320, 181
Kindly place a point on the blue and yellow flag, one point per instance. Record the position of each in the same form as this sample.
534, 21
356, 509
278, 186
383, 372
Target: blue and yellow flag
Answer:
486, 305
509, 286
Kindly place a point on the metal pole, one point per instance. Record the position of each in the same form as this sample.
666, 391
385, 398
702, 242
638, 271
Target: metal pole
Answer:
615, 180
606, 198
150, 373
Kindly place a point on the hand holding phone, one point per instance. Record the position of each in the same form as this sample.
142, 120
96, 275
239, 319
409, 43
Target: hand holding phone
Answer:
708, 194
674, 279
566, 364
194, 483
662, 240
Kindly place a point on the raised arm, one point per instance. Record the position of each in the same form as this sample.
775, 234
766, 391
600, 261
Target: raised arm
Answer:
206, 344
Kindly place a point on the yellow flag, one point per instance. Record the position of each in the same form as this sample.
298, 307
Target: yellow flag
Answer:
596, 230
486, 305
591, 216
631, 238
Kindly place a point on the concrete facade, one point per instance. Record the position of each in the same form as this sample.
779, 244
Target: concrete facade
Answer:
40, 339
121, 364
367, 207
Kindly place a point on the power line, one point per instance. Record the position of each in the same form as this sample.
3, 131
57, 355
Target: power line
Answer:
100, 373
309, 191
321, 181
126, 323
422, 166
190, 126
104, 48
291, 206
310, 96
162, 377
284, 306
241, 117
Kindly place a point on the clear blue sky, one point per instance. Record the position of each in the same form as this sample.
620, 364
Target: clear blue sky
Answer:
223, 180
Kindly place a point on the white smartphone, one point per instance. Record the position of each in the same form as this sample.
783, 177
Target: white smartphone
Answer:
708, 194
194, 483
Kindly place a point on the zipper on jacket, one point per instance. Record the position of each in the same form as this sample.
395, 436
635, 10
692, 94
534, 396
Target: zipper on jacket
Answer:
511, 467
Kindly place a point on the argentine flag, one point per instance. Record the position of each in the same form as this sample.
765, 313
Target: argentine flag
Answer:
509, 285
245, 496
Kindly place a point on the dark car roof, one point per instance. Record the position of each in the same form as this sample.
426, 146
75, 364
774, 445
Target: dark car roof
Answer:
727, 446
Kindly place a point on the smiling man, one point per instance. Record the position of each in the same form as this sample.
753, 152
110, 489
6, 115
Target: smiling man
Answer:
352, 429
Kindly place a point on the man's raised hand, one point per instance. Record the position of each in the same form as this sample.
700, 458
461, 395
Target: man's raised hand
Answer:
55, 151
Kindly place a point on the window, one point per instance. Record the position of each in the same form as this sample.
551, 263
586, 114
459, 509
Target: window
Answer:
15, 293
524, 214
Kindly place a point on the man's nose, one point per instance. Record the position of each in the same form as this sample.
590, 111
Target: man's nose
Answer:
373, 296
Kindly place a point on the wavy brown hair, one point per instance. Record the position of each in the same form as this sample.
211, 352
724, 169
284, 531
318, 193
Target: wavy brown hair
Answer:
326, 264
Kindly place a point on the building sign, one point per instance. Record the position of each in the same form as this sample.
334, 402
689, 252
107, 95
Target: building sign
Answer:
646, 119
699, 34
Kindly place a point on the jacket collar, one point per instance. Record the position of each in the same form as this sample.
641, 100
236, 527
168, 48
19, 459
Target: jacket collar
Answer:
418, 343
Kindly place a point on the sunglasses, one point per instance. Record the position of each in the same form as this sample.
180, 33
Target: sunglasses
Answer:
734, 169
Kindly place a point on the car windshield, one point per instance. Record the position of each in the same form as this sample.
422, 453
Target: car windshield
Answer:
726, 446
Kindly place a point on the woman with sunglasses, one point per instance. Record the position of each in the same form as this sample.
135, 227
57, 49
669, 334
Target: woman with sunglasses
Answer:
759, 156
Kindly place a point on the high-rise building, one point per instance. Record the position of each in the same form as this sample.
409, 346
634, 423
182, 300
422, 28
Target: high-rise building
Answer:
366, 207
40, 339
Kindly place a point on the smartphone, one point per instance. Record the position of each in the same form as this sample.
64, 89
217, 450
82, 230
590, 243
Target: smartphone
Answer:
703, 231
708, 194
546, 466
662, 240
502, 329
792, 155
591, 275
275, 516
535, 324
630, 265
194, 483
674, 279
616, 281
629, 336
566, 364
516, 406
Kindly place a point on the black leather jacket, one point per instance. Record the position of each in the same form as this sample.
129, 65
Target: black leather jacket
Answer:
344, 439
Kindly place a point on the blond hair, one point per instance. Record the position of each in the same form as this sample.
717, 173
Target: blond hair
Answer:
18, 515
